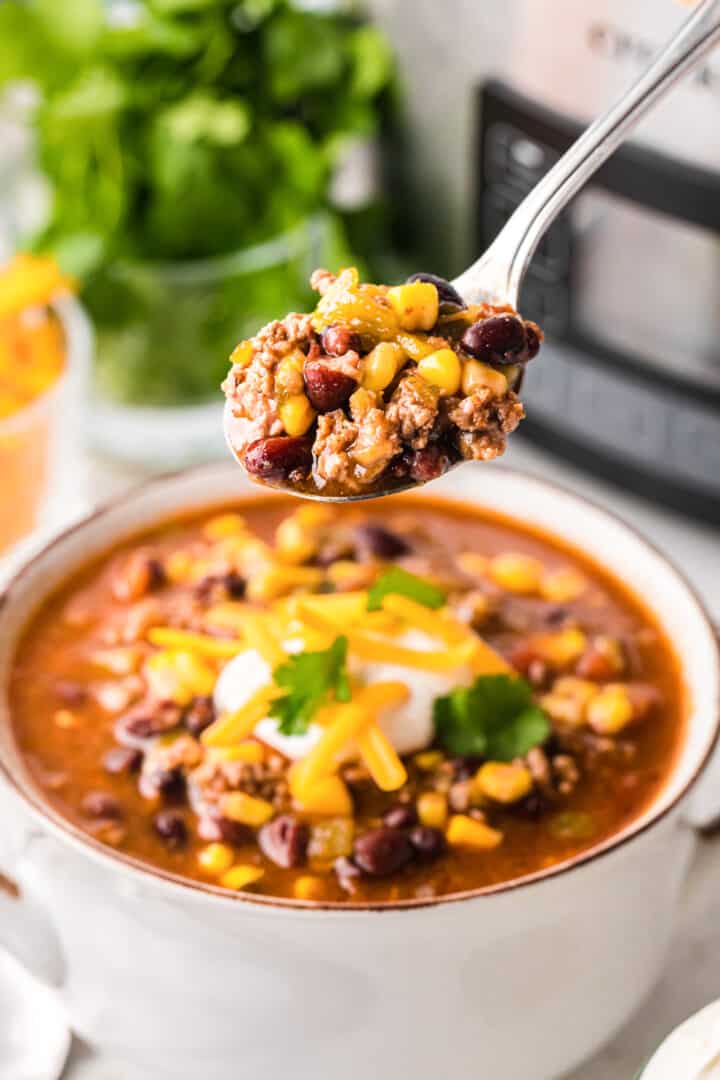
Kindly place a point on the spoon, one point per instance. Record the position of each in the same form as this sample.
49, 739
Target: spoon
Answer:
496, 277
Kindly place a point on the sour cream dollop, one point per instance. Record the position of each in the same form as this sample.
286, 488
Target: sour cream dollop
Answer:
409, 726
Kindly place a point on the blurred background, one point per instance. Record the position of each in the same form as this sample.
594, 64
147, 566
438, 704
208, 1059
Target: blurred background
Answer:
186, 163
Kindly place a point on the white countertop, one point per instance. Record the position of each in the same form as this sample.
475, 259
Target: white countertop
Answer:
692, 976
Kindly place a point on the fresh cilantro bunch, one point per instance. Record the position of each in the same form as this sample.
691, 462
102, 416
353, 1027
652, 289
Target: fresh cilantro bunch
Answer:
310, 679
494, 718
185, 129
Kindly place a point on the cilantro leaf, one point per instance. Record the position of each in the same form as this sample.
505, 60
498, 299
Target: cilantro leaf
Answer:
495, 718
308, 678
402, 583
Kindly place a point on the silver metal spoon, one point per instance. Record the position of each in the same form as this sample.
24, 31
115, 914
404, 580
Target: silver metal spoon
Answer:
497, 275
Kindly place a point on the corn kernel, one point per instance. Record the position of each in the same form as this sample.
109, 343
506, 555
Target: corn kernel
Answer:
516, 572
239, 806
276, 581
297, 414
432, 809
416, 304
441, 369
293, 542
330, 839
178, 567
327, 796
239, 877
216, 858
65, 719
472, 564
427, 760
569, 699
477, 376
415, 345
178, 675
242, 354
610, 710
562, 648
289, 373
504, 783
223, 525
561, 586
309, 887
314, 515
382, 364
465, 831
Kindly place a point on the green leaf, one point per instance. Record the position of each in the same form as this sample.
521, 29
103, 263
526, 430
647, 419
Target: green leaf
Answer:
372, 61
402, 583
495, 718
309, 679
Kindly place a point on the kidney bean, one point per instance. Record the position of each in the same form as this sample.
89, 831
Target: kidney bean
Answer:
497, 340
326, 388
279, 457
337, 340
382, 851
428, 463
284, 841
215, 828
428, 843
122, 759
450, 298
200, 715
402, 816
99, 804
71, 693
171, 828
234, 584
377, 541
170, 783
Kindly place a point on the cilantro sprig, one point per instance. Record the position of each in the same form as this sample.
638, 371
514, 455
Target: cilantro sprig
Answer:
495, 718
310, 678
401, 582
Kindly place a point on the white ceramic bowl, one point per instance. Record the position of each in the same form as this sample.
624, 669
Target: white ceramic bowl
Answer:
516, 981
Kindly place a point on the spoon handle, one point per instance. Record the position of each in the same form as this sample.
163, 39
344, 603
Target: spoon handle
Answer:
498, 273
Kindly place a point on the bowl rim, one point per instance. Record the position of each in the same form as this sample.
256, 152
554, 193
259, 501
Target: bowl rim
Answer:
112, 859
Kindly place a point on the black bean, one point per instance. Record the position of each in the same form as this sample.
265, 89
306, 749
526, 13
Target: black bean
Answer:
427, 843
532, 807
382, 851
99, 804
222, 828
337, 340
156, 573
171, 828
147, 720
450, 298
200, 715
70, 693
281, 457
235, 585
284, 841
379, 542
122, 759
326, 388
497, 340
402, 816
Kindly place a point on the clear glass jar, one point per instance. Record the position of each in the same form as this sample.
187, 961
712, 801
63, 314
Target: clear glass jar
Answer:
41, 471
165, 332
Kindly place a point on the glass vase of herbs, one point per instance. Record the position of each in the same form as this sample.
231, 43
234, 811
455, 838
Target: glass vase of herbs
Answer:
202, 157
